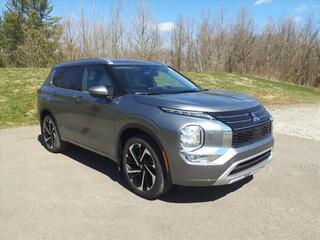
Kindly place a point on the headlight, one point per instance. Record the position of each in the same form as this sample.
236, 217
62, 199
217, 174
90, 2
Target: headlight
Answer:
271, 117
191, 138
187, 113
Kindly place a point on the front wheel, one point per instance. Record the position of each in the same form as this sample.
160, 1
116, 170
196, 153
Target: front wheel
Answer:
143, 169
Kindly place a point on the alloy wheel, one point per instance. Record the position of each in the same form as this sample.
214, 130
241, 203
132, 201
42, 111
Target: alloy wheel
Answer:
49, 133
140, 167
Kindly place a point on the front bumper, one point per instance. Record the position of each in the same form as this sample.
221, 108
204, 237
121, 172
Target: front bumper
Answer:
229, 177
221, 171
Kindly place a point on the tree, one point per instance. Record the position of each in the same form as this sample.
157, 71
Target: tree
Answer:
116, 29
12, 28
178, 40
2, 57
146, 36
23, 19
205, 40
190, 60
242, 40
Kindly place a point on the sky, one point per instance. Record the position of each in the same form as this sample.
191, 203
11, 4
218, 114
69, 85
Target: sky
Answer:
166, 11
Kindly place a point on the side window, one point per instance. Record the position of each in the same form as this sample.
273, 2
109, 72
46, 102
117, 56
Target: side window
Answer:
68, 77
95, 76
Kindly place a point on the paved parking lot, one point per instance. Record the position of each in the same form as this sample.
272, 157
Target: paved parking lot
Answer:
80, 195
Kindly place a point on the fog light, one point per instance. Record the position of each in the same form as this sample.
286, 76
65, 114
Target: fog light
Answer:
197, 159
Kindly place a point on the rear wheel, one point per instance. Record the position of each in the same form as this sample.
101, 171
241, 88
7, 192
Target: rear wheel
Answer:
143, 169
50, 135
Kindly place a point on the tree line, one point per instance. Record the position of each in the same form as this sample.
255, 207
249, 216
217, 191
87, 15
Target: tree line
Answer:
284, 49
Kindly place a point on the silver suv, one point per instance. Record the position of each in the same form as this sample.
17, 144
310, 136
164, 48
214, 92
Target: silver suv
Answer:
156, 124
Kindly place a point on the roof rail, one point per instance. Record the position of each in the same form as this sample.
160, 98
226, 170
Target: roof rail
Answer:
156, 61
108, 60
87, 59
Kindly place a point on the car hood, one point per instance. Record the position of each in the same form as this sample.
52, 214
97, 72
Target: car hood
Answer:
206, 101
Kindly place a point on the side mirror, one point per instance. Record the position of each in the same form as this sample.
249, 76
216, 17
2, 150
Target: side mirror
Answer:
99, 92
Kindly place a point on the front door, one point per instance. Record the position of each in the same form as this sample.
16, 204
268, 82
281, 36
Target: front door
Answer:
98, 114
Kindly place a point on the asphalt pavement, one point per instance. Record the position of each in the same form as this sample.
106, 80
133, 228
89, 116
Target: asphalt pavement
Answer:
81, 195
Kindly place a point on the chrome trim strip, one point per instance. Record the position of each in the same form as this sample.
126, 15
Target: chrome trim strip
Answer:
253, 126
245, 120
261, 109
230, 116
226, 178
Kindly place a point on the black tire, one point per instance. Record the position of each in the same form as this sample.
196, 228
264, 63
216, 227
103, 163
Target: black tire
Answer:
50, 135
150, 162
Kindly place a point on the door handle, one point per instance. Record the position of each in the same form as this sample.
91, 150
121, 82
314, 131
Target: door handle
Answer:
77, 98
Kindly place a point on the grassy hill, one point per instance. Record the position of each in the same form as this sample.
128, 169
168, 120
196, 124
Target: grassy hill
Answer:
18, 91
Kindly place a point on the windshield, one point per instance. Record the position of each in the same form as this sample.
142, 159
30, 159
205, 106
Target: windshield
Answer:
145, 79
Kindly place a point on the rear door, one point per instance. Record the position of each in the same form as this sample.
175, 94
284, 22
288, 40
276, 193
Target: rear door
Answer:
65, 100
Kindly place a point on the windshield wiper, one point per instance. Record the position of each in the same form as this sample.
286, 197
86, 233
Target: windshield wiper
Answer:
173, 92
188, 91
146, 93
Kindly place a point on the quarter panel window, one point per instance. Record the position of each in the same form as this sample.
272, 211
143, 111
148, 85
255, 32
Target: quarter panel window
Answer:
68, 77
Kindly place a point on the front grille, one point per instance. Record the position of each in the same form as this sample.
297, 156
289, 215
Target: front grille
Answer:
252, 134
243, 118
248, 125
250, 163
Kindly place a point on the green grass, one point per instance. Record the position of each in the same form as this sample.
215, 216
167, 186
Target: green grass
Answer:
269, 92
18, 94
18, 87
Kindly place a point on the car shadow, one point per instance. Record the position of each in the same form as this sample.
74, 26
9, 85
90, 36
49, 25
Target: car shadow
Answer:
94, 161
177, 194
180, 194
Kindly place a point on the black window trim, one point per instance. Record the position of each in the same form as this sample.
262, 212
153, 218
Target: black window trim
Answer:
119, 90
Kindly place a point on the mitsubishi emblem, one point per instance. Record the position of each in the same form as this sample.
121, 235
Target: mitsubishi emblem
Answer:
254, 117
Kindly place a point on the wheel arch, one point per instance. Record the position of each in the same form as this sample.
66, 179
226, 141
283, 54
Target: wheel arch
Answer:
43, 113
134, 129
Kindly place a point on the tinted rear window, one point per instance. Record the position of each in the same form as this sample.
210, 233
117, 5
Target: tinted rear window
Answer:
68, 77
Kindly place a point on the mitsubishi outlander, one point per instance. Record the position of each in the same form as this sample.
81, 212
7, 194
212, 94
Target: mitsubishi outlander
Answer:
156, 124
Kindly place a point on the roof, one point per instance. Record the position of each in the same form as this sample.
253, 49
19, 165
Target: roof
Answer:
107, 61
